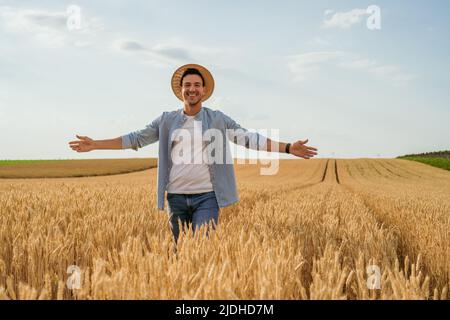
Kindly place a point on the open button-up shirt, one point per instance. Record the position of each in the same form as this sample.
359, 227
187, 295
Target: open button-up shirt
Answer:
221, 173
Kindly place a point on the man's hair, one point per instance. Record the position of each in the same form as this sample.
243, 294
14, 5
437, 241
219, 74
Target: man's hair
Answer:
191, 71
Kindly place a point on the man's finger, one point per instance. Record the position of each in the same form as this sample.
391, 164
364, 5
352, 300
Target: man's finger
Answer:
82, 137
309, 149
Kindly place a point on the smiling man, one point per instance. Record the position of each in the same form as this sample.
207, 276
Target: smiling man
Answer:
194, 163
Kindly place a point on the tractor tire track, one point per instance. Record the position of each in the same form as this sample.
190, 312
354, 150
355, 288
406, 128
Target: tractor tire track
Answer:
325, 171
402, 168
377, 171
379, 163
336, 171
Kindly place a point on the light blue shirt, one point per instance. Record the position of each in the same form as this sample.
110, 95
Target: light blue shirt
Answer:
222, 174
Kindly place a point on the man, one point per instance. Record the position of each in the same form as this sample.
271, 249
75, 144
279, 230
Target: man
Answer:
196, 186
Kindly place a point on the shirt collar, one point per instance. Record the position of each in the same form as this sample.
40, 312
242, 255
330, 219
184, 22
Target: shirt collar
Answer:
198, 116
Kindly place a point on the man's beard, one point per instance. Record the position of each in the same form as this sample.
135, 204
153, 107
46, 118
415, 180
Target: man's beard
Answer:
194, 102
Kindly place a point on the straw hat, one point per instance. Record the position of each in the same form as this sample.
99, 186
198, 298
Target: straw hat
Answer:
209, 80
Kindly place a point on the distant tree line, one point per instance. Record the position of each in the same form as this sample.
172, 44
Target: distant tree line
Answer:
435, 154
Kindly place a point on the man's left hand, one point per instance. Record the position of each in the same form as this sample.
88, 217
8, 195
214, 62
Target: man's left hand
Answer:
299, 149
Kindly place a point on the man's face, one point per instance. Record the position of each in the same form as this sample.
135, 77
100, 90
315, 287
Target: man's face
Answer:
192, 89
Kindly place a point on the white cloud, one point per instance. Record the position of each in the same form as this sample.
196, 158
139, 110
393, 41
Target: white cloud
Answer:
129, 45
318, 41
358, 63
303, 66
343, 20
147, 54
394, 73
173, 51
308, 65
169, 52
49, 27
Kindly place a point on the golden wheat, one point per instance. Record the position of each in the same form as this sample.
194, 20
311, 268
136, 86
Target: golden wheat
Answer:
309, 232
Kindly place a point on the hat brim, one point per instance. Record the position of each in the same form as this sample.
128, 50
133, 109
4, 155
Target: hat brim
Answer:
209, 80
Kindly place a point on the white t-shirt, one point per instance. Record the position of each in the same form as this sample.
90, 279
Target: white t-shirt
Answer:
189, 173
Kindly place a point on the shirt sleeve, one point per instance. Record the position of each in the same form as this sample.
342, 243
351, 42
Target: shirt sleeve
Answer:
243, 137
143, 137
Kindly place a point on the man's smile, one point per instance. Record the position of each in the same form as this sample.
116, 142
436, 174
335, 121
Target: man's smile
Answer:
193, 96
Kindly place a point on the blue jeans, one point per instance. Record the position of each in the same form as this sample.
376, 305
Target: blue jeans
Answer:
192, 209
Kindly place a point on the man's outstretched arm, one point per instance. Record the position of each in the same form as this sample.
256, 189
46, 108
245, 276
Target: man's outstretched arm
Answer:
86, 144
255, 141
133, 140
297, 148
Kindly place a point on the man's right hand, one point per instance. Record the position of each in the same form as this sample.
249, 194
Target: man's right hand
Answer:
85, 144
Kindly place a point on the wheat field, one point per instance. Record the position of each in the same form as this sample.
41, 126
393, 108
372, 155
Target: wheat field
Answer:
28, 169
319, 229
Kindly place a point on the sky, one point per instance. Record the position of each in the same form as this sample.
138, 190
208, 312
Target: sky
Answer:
355, 82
